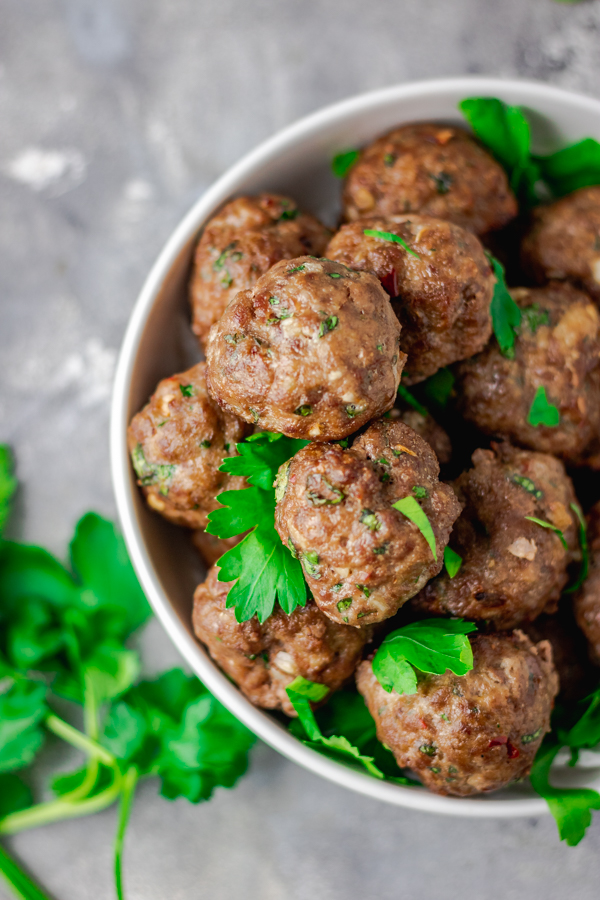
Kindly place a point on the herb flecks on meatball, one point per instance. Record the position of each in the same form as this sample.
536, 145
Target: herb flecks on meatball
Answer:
441, 291
311, 351
363, 558
512, 569
473, 734
177, 443
434, 170
557, 349
564, 241
263, 659
239, 244
587, 601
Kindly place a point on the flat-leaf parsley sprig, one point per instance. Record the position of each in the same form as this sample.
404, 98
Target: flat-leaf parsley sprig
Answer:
64, 632
432, 645
505, 131
506, 315
264, 570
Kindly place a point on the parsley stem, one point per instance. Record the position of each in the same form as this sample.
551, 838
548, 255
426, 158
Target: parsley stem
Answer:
74, 737
19, 882
129, 783
58, 810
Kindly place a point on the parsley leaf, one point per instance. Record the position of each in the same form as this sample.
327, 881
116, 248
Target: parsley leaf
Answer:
14, 794
452, 561
343, 162
394, 238
22, 710
8, 484
301, 693
506, 315
571, 168
409, 398
438, 387
571, 807
505, 131
551, 527
432, 645
585, 552
409, 507
542, 412
262, 567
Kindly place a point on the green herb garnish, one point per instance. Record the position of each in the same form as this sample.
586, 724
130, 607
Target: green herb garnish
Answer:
585, 552
571, 168
262, 567
452, 561
328, 325
305, 410
438, 388
409, 507
343, 162
433, 645
370, 520
187, 390
406, 395
542, 412
420, 492
388, 236
534, 316
301, 693
73, 626
551, 527
151, 473
506, 315
8, 485
505, 132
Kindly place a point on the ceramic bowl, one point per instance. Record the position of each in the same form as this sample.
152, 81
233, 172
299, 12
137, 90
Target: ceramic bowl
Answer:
158, 342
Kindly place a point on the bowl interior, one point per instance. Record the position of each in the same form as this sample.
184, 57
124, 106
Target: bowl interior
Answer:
159, 342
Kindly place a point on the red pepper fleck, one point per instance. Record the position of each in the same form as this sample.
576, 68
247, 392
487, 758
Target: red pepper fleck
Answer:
512, 751
423, 723
497, 742
389, 283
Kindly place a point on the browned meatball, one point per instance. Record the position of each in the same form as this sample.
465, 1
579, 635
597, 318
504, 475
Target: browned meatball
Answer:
241, 243
476, 733
442, 295
362, 558
512, 569
558, 348
431, 169
564, 241
264, 659
311, 352
568, 652
210, 547
587, 601
426, 427
177, 443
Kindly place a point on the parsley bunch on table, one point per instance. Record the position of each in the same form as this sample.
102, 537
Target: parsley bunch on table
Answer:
64, 635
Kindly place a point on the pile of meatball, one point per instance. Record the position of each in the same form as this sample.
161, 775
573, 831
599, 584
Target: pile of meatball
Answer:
308, 333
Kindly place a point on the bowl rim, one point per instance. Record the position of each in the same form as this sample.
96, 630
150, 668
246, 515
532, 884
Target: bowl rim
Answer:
258, 721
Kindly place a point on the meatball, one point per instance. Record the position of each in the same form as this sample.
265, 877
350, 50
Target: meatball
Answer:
586, 603
311, 352
568, 652
558, 348
564, 241
431, 169
210, 547
362, 558
471, 734
240, 244
426, 427
177, 443
512, 569
441, 296
264, 659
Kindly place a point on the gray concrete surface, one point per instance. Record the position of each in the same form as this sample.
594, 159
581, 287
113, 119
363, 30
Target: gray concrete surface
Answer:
114, 116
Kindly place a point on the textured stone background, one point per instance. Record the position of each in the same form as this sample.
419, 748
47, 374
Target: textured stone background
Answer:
114, 116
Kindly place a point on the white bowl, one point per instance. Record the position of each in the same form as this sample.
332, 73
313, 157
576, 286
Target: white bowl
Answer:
158, 342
